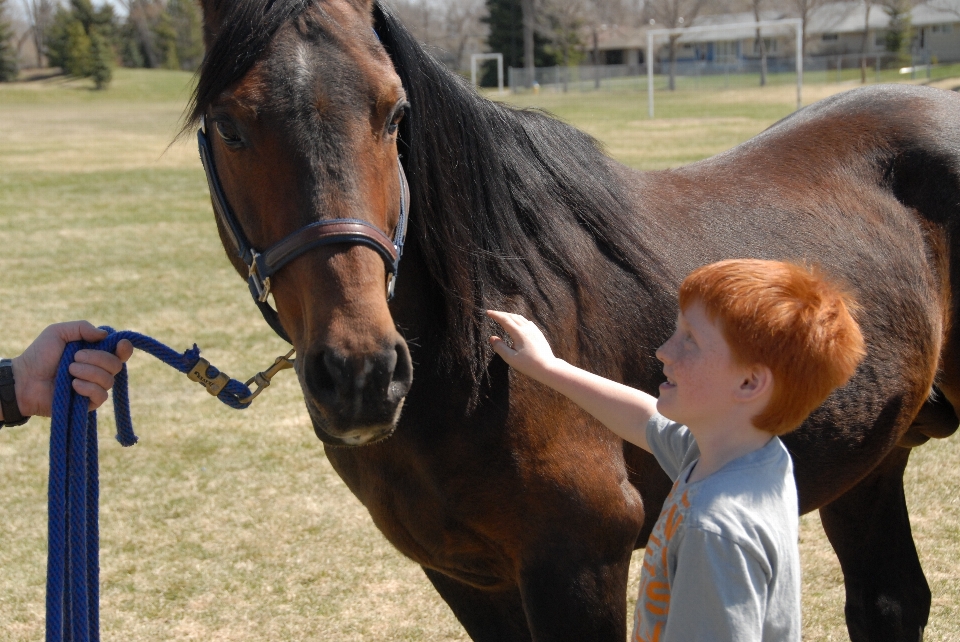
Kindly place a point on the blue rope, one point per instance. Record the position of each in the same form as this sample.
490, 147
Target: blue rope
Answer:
73, 565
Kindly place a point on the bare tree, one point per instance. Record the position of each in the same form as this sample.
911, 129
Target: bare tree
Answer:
462, 25
448, 27
672, 14
868, 4
944, 5
803, 10
528, 10
40, 15
760, 45
142, 15
561, 22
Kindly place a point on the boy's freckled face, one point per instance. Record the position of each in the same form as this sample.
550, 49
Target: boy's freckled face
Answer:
702, 376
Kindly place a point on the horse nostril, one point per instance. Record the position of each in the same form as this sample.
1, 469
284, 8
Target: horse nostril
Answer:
335, 371
364, 387
402, 372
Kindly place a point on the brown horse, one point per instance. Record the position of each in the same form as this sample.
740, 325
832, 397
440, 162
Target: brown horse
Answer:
522, 510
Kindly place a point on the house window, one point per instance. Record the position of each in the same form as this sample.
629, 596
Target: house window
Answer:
829, 37
942, 28
614, 57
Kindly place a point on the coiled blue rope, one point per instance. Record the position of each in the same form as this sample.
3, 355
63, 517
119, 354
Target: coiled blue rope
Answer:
73, 564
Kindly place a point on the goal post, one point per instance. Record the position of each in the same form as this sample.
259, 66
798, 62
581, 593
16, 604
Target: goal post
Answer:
796, 24
475, 58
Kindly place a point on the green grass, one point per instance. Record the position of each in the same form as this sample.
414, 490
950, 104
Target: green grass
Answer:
127, 86
222, 525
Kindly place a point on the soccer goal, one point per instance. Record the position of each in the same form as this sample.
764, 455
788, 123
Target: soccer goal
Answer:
476, 58
716, 57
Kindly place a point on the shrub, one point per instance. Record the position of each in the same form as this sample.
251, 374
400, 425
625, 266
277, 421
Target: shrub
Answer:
9, 67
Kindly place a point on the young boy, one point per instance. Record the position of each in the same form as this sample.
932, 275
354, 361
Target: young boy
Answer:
758, 346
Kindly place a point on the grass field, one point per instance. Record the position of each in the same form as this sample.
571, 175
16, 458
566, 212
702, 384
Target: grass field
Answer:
227, 526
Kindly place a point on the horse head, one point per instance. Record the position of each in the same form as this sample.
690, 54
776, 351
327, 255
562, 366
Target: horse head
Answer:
300, 105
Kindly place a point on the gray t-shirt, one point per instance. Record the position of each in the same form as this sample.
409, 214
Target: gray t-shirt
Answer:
722, 562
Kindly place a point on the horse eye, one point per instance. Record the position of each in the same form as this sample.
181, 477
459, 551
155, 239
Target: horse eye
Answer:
229, 133
397, 117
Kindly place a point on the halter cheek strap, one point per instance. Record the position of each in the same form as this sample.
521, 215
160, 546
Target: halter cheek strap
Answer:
263, 265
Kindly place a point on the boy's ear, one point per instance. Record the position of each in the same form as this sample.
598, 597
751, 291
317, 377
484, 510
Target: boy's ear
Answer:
757, 381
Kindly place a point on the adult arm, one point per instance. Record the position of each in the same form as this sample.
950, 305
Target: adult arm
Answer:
622, 409
35, 370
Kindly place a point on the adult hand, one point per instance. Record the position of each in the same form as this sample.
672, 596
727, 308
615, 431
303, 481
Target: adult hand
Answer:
36, 369
531, 353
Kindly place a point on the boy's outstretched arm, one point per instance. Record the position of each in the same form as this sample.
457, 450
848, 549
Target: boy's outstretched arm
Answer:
622, 409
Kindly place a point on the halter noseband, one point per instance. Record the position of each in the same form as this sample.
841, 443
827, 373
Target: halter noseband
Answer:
263, 265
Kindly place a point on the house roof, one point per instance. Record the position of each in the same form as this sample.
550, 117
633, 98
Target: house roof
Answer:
744, 29
833, 17
845, 17
935, 12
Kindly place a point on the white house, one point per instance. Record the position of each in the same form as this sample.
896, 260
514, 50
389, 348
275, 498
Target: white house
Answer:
833, 29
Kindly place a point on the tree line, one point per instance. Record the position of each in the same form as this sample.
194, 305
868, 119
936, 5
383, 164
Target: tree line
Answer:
88, 41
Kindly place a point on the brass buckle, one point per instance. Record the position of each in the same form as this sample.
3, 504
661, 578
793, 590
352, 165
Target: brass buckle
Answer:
262, 285
199, 374
391, 285
262, 379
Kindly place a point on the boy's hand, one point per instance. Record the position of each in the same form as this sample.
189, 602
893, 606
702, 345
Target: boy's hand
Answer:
531, 353
36, 369
622, 409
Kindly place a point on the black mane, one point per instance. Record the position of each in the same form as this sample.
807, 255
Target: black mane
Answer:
513, 207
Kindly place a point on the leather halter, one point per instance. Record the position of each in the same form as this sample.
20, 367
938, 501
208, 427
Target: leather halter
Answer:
263, 265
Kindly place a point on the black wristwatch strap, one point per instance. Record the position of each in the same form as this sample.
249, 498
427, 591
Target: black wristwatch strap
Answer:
8, 396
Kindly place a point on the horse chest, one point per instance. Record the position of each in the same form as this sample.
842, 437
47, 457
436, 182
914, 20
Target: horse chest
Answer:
476, 507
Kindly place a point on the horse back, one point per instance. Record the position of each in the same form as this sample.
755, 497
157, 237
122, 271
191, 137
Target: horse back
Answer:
866, 185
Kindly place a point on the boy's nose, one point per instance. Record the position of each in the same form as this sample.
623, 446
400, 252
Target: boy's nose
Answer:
661, 353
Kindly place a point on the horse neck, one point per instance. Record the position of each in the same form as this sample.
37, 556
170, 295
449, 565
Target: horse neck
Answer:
510, 209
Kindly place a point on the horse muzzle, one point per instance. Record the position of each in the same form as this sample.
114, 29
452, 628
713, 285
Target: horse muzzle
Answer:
356, 399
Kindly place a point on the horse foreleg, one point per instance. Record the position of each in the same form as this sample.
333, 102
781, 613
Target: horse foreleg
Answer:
487, 615
569, 601
887, 594
558, 600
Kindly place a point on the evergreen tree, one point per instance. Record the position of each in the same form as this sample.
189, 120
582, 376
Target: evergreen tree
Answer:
131, 51
79, 41
897, 39
57, 36
506, 37
77, 60
101, 59
187, 22
165, 40
9, 67
83, 11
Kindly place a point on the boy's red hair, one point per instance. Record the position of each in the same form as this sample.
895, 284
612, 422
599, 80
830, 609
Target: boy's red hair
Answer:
789, 318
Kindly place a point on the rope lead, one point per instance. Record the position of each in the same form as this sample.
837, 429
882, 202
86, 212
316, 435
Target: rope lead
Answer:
73, 565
